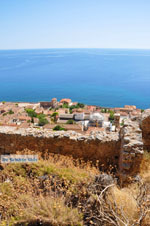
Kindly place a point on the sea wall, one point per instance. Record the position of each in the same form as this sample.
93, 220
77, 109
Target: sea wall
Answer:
98, 146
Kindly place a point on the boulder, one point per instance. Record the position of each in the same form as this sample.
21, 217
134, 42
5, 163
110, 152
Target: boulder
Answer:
104, 179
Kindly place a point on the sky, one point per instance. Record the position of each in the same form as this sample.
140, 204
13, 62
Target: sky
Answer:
28, 24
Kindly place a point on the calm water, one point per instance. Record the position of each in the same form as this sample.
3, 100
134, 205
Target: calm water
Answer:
102, 77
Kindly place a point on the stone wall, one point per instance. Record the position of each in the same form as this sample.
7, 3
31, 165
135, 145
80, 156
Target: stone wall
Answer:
124, 149
99, 146
131, 148
145, 126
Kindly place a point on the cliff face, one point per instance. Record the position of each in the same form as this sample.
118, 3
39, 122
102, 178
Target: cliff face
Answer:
145, 126
100, 146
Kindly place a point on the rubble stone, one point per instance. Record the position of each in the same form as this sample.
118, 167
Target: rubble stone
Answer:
145, 126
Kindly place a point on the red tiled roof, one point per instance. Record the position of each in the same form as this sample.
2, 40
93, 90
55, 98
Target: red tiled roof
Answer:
65, 100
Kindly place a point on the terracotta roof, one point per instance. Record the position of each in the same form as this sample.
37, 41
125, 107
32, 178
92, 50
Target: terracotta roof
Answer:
65, 100
54, 99
132, 107
24, 118
123, 114
91, 107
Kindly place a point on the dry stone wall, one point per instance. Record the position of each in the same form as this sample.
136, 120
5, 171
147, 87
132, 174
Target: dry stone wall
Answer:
131, 148
124, 149
98, 146
145, 126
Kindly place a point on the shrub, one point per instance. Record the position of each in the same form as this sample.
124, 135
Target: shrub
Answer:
41, 116
42, 121
65, 105
70, 121
80, 105
104, 110
54, 114
10, 112
122, 123
58, 128
5, 113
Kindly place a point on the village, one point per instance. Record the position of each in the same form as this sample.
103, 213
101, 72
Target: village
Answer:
65, 115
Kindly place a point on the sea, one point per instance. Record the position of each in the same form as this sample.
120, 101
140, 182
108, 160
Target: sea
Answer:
103, 77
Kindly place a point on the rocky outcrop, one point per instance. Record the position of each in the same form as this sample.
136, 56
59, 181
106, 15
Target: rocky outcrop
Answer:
131, 147
145, 126
101, 146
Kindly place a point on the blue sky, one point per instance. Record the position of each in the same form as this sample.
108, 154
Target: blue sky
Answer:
26, 24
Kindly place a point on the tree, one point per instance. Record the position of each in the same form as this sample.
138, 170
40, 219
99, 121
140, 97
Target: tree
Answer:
111, 116
54, 116
31, 113
32, 120
80, 105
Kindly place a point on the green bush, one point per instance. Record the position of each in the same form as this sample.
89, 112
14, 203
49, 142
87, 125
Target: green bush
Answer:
42, 120
122, 123
65, 105
78, 105
5, 113
70, 121
104, 110
111, 116
31, 113
58, 128
41, 116
10, 112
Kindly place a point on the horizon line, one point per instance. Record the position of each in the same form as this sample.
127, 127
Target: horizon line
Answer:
122, 48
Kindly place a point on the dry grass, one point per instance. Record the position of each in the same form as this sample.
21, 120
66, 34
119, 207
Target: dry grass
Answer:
51, 210
33, 192
61, 191
145, 167
124, 204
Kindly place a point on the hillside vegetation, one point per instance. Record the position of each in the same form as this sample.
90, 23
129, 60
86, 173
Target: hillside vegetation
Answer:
61, 191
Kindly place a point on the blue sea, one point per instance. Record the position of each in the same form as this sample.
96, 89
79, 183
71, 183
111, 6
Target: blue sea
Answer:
104, 77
